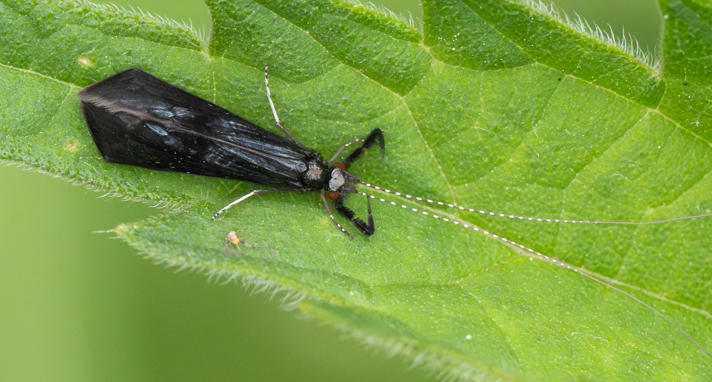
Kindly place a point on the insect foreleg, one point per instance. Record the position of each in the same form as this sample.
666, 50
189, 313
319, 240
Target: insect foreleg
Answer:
346, 212
331, 216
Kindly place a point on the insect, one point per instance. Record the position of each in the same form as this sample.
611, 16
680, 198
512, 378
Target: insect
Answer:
138, 119
232, 238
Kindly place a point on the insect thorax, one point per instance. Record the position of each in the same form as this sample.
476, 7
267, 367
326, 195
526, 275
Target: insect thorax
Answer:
317, 174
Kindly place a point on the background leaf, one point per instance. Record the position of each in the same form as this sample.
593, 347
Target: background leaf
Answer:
537, 120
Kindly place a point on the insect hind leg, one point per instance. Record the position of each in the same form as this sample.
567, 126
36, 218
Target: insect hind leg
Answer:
274, 111
376, 135
366, 229
239, 200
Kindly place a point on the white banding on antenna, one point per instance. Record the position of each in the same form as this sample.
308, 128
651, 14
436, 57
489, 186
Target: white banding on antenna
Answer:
546, 258
527, 218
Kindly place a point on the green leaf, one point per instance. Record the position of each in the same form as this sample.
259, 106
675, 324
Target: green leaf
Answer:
496, 105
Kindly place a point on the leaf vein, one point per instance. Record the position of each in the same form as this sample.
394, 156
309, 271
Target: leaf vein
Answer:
34, 73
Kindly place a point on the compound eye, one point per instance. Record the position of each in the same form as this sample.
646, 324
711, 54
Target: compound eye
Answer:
333, 195
340, 165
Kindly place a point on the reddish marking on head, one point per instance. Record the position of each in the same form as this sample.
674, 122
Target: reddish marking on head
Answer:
333, 195
340, 165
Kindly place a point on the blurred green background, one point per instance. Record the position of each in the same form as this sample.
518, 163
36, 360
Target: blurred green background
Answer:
77, 306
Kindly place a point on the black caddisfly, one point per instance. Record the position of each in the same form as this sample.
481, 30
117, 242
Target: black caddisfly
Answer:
138, 119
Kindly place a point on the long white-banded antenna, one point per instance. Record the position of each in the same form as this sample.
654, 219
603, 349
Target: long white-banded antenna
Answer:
546, 258
528, 218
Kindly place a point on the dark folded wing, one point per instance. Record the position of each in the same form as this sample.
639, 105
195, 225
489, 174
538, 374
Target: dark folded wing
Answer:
138, 119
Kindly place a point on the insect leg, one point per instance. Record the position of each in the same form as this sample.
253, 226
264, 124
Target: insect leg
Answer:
346, 212
375, 135
331, 216
342, 148
274, 111
236, 201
